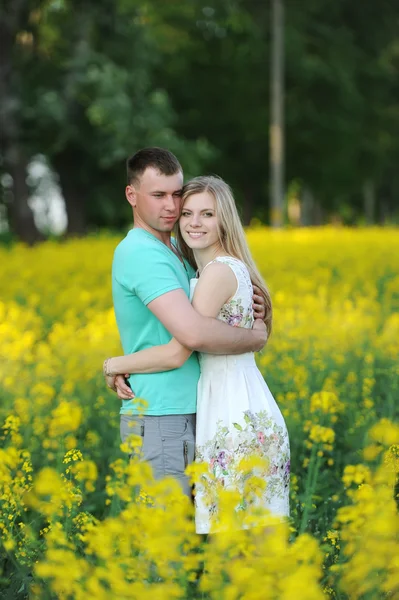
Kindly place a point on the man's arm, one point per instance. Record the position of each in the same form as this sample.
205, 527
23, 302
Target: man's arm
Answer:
258, 303
201, 333
163, 295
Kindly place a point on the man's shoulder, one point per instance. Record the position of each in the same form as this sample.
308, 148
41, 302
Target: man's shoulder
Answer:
135, 241
139, 253
134, 238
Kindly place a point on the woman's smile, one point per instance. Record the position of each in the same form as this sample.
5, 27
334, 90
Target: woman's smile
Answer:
195, 235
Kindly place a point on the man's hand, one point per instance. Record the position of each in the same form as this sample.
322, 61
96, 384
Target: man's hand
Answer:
258, 304
260, 328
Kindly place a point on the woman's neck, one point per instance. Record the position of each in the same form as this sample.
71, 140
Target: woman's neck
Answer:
204, 256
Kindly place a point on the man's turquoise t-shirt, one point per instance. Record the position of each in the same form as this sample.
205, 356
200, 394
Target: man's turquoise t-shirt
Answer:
143, 269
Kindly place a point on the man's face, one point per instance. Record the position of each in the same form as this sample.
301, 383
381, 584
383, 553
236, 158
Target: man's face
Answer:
156, 200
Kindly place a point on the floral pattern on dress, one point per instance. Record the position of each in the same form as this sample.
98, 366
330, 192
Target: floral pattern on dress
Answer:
234, 312
258, 435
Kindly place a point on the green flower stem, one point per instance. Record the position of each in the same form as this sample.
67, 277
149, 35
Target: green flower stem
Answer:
311, 482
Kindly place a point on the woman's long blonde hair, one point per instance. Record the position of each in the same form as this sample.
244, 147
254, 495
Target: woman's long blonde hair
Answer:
230, 229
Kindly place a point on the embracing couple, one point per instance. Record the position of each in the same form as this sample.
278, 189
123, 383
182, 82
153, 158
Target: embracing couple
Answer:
185, 314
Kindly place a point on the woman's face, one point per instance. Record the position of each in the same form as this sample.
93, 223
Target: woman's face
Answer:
198, 221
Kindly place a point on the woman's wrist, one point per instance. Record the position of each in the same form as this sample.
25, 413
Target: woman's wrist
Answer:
107, 368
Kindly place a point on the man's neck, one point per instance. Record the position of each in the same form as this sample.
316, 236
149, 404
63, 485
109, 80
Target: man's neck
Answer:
162, 236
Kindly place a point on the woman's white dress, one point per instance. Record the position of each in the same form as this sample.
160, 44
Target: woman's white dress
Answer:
237, 417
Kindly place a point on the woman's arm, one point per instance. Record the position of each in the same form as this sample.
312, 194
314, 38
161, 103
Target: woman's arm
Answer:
151, 360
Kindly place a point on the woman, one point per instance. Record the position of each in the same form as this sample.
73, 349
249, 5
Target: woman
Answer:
237, 415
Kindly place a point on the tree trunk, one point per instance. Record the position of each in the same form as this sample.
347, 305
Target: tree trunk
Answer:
318, 214
21, 220
369, 201
248, 206
307, 206
384, 210
277, 115
74, 196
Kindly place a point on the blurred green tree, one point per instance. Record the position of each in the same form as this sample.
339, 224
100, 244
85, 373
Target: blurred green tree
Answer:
87, 99
91, 82
342, 101
341, 105
15, 36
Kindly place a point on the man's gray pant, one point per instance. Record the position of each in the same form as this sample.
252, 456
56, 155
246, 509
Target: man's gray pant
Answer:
168, 443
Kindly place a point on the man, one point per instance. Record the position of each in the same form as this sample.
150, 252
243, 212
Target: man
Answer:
150, 283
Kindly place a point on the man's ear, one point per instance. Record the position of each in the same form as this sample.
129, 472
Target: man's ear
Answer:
131, 195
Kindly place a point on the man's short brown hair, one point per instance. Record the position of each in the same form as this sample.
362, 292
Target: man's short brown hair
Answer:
160, 159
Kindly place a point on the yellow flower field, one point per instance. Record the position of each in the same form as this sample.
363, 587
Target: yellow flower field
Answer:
78, 521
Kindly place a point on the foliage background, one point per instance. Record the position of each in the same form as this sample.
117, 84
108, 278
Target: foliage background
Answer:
86, 84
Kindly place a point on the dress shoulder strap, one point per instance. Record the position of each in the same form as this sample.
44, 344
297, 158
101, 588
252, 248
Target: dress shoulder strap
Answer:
237, 266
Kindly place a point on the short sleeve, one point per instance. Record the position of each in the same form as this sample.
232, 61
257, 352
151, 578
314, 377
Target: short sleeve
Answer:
147, 272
